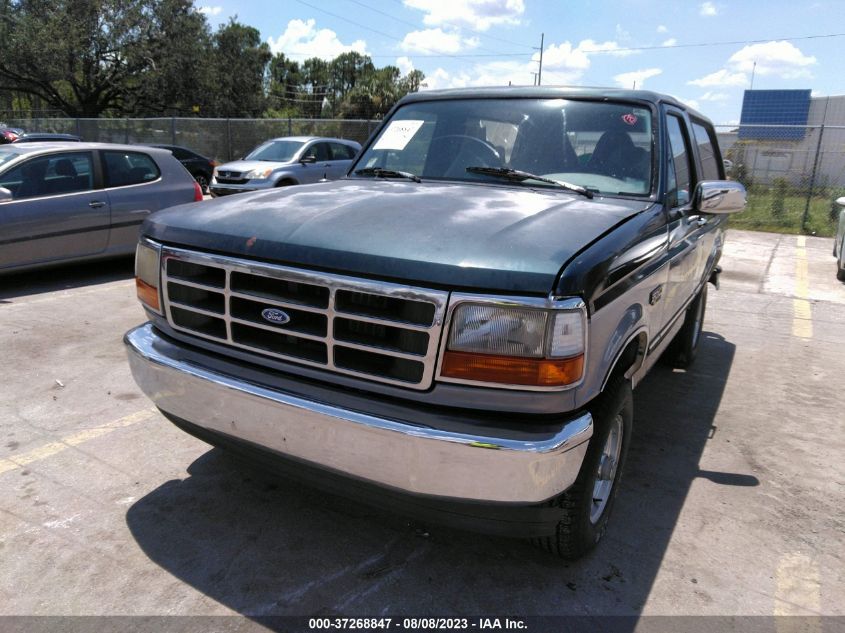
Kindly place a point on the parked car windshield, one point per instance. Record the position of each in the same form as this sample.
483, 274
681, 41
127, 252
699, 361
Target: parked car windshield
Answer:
605, 147
276, 151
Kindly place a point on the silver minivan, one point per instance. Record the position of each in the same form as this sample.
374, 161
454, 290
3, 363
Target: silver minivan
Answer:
76, 201
279, 162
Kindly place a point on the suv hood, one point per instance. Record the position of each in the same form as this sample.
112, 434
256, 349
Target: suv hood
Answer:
471, 236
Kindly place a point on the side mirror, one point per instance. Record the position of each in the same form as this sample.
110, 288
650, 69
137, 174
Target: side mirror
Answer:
308, 159
5, 195
719, 196
839, 201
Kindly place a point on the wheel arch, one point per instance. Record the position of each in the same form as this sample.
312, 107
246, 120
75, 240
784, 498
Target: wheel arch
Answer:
630, 356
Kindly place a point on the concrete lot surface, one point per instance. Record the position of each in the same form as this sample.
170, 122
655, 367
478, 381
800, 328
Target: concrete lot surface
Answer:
732, 502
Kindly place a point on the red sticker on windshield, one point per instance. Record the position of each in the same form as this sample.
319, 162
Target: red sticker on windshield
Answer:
630, 119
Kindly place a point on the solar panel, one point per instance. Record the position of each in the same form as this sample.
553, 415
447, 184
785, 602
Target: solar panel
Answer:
763, 108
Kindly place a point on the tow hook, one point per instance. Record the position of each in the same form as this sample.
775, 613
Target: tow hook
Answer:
714, 276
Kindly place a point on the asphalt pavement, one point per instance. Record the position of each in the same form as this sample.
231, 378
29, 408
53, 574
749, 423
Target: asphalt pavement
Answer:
732, 501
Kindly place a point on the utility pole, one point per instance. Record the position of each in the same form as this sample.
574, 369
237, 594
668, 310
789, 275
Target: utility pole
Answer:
753, 70
539, 73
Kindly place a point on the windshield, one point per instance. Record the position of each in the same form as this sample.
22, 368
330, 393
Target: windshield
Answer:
276, 151
605, 147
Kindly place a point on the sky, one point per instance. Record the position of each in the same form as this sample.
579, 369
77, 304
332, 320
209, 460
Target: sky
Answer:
703, 53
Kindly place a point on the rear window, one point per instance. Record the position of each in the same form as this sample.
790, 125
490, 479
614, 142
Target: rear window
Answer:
129, 168
709, 164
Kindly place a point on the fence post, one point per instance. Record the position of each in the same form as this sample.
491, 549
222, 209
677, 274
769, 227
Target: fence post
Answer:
78, 128
812, 181
228, 139
126, 131
290, 127
173, 130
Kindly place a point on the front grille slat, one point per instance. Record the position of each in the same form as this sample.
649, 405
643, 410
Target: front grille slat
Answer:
373, 330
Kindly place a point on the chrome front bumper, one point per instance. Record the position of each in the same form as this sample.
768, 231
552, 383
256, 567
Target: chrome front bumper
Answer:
397, 454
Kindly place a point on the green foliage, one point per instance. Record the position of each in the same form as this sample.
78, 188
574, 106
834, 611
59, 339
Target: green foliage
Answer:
780, 187
91, 58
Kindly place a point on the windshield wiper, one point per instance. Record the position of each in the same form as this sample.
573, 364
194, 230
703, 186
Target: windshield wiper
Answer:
378, 172
519, 176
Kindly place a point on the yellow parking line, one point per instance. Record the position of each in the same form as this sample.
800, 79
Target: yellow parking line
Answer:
53, 448
802, 321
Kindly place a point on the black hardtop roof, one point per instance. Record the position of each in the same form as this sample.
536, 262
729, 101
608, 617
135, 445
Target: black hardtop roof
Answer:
546, 92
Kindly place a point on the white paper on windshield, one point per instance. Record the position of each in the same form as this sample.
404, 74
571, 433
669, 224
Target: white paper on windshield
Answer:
398, 134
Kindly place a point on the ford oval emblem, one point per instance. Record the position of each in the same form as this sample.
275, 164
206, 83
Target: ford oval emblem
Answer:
274, 315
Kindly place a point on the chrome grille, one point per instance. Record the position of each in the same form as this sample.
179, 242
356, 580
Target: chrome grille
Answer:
380, 331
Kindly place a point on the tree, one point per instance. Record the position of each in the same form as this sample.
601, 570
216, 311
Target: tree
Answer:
86, 57
284, 87
240, 61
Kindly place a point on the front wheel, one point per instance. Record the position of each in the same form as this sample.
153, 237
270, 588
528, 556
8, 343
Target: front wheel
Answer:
587, 504
202, 181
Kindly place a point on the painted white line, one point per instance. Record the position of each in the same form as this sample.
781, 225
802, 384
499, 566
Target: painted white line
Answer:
802, 320
798, 592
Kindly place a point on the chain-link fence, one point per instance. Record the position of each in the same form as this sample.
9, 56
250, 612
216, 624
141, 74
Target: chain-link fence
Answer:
221, 139
792, 173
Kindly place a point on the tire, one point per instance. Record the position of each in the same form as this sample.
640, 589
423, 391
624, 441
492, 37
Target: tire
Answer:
285, 182
682, 351
202, 181
587, 505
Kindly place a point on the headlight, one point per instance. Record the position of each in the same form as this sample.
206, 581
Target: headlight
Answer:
515, 345
258, 174
147, 272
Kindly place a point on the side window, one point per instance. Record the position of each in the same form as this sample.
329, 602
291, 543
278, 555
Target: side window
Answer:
706, 151
321, 151
50, 175
680, 171
181, 154
342, 152
129, 168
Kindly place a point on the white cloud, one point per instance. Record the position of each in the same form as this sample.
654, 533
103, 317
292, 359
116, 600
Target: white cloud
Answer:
670, 42
302, 38
434, 41
781, 59
638, 77
708, 9
211, 10
721, 78
404, 64
662, 29
714, 96
562, 64
475, 14
691, 103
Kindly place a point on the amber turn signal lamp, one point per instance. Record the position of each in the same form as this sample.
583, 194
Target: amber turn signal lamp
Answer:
147, 294
534, 372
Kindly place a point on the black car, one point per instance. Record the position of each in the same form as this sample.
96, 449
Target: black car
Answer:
43, 137
200, 167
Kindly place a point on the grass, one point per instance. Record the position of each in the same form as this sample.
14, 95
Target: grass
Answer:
761, 215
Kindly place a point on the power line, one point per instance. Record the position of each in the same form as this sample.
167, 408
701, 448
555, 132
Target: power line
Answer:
708, 44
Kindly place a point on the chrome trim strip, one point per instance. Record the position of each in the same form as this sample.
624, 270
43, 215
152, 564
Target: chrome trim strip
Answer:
389, 452
332, 283
550, 304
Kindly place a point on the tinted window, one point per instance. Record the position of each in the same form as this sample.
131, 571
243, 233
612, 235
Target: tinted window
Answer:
50, 175
709, 163
680, 174
129, 168
320, 151
341, 151
180, 153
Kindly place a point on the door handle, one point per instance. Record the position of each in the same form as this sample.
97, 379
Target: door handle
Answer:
96, 204
698, 220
